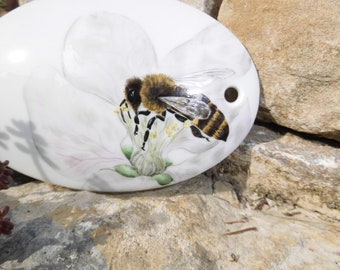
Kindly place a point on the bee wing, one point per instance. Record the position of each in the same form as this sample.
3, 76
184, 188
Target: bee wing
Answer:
214, 50
205, 77
101, 50
191, 107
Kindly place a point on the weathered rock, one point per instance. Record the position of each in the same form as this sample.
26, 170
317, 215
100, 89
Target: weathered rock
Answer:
22, 2
186, 226
288, 168
211, 7
7, 5
295, 45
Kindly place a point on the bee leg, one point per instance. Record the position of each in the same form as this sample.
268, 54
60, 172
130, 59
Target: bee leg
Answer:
121, 111
146, 136
144, 113
197, 133
194, 130
150, 122
121, 104
123, 117
149, 126
147, 132
136, 119
181, 118
136, 130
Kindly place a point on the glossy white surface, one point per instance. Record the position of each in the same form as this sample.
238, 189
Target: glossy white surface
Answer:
63, 69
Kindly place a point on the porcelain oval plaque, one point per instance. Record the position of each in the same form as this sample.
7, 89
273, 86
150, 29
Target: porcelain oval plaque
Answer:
121, 96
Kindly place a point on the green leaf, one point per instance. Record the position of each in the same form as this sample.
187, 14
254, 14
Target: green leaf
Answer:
127, 151
163, 179
167, 163
127, 170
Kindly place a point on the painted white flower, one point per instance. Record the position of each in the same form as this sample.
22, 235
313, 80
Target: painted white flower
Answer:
76, 114
148, 157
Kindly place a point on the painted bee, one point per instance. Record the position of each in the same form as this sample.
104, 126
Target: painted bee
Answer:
160, 94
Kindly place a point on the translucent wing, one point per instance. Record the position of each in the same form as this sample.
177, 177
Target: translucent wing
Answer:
191, 107
102, 50
203, 78
213, 53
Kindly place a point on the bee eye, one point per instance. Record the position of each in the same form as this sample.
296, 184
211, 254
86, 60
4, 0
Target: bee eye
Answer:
231, 94
131, 94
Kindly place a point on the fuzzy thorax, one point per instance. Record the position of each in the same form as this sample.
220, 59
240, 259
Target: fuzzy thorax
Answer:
153, 87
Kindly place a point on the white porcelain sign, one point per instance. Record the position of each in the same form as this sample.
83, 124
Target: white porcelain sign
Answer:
121, 95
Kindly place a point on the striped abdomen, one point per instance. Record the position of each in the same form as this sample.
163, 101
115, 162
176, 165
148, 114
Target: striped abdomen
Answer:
215, 125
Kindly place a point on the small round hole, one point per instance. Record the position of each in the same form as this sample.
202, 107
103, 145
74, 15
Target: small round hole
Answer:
230, 94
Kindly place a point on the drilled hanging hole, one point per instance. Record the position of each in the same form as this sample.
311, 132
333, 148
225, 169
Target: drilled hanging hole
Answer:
230, 94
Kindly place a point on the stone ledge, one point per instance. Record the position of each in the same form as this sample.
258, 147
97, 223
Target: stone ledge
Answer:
287, 168
184, 226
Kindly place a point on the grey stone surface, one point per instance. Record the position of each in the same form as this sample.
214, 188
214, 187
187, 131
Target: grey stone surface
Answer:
187, 226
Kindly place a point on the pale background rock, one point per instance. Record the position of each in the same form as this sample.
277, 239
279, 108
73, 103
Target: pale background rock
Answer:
287, 168
184, 226
22, 2
296, 47
211, 7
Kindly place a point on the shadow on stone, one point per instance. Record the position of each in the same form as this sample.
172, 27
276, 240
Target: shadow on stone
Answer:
41, 243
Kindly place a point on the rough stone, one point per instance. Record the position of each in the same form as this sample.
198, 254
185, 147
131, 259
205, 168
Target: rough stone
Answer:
22, 2
295, 45
186, 226
211, 7
288, 168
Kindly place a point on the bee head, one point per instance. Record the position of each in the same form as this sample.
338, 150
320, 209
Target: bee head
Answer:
132, 92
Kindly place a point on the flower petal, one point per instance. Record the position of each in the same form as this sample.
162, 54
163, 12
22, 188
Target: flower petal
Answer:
76, 133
